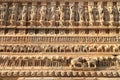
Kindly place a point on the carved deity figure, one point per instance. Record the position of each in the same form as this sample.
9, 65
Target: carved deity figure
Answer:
106, 14
75, 12
85, 14
3, 12
95, 13
33, 13
66, 12
116, 14
48, 12
3, 9
39, 12
57, 13
24, 13
13, 11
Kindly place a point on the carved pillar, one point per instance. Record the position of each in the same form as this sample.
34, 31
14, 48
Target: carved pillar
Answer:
100, 12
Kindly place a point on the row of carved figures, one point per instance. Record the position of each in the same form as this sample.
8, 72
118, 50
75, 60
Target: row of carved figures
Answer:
59, 31
59, 14
59, 48
59, 61
69, 74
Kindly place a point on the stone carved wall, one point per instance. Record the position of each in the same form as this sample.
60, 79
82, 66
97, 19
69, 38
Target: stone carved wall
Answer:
64, 38
60, 14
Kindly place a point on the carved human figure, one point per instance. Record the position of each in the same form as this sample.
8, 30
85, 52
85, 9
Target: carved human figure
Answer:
48, 12
24, 13
39, 12
57, 13
116, 14
95, 14
66, 12
13, 12
33, 12
85, 14
75, 12
3, 9
106, 14
3, 12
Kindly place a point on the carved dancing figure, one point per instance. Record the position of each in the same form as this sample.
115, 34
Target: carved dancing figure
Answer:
13, 13
33, 13
13, 10
75, 12
116, 14
57, 13
3, 11
85, 14
23, 15
95, 14
48, 12
106, 14
66, 12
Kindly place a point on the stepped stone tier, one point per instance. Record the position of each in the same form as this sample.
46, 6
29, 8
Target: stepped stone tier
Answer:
59, 39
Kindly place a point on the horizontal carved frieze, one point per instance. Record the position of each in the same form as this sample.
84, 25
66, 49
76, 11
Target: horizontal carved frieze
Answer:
58, 39
60, 14
51, 0
57, 48
69, 63
60, 74
61, 31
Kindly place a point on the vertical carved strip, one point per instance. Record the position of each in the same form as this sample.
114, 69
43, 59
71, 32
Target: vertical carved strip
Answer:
90, 6
109, 5
118, 4
70, 6
80, 11
100, 11
61, 13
